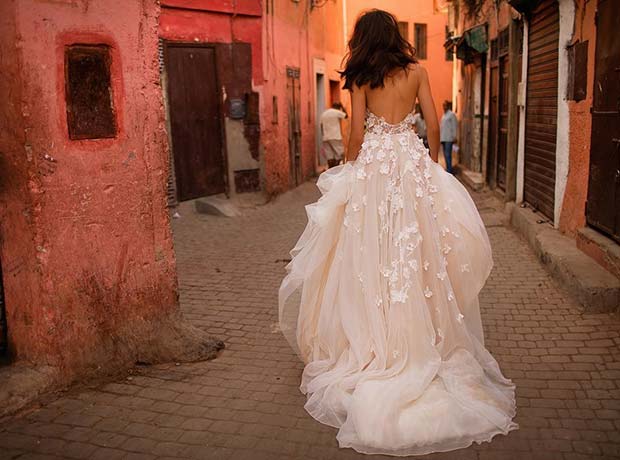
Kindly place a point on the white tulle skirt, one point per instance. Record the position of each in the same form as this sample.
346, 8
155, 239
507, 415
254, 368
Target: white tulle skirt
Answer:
381, 303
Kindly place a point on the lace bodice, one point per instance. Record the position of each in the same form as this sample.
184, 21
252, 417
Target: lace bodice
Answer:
377, 125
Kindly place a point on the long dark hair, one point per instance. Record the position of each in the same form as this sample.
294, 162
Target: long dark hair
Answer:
375, 49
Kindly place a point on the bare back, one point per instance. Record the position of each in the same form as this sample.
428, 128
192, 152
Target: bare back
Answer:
394, 101
397, 98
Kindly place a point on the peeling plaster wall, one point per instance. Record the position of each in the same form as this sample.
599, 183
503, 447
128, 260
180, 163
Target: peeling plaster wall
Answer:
573, 206
86, 245
567, 19
234, 29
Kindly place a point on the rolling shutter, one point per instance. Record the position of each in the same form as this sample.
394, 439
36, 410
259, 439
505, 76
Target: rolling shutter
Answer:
542, 106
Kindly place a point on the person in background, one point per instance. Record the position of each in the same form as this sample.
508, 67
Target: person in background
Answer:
448, 133
332, 134
419, 125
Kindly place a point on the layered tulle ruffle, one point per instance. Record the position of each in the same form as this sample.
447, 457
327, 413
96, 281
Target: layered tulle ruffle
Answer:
381, 302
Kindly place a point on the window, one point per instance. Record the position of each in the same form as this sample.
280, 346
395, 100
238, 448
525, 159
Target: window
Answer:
274, 110
420, 40
90, 111
449, 50
403, 28
334, 91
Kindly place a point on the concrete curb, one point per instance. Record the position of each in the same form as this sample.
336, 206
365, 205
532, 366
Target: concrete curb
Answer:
593, 286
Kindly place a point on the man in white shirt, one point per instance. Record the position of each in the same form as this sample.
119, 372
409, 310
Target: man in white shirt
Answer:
447, 133
332, 134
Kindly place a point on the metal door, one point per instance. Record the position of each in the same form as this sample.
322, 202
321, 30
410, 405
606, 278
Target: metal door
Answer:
542, 107
195, 121
603, 206
294, 127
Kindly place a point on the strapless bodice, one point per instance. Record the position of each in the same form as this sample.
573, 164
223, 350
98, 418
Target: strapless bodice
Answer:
377, 125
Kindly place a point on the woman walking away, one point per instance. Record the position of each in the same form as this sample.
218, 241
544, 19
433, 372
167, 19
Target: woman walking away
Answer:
381, 296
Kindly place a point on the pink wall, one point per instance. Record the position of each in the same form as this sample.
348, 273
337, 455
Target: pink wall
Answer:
86, 245
295, 41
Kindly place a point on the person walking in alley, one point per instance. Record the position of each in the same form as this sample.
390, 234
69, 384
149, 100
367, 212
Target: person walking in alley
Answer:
332, 133
419, 125
448, 133
380, 299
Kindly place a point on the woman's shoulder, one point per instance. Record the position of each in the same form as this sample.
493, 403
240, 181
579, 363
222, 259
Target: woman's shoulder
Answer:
418, 70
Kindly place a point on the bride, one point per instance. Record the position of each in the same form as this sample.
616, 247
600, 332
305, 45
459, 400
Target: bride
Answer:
381, 295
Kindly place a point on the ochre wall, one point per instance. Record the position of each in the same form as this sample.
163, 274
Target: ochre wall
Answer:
86, 246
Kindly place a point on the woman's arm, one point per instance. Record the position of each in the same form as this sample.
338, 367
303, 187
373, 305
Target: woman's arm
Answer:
430, 116
358, 116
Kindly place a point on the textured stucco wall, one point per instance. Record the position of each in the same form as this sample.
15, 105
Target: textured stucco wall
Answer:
573, 206
563, 138
86, 245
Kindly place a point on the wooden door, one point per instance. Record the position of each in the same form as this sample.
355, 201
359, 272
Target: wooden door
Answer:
195, 121
502, 133
603, 206
542, 107
294, 126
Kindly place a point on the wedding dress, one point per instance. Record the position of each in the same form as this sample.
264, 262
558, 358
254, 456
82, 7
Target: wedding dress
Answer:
381, 303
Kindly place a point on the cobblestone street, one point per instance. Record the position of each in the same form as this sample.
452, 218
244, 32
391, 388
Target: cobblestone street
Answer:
246, 403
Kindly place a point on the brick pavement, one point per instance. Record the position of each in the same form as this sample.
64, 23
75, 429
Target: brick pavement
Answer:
246, 403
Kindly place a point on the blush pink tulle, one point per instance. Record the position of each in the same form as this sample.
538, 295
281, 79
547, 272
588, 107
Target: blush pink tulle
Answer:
381, 303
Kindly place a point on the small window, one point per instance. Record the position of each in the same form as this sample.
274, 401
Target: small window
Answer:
577, 87
88, 91
403, 28
449, 50
274, 110
420, 40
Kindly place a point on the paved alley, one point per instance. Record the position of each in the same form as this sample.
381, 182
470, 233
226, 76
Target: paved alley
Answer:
246, 404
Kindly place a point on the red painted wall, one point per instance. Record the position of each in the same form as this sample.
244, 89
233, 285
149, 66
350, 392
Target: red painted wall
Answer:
86, 246
203, 21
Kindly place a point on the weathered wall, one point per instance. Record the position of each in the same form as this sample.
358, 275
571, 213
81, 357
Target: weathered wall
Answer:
294, 36
85, 240
235, 29
573, 212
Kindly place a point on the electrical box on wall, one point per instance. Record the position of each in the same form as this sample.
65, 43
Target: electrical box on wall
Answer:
521, 94
237, 109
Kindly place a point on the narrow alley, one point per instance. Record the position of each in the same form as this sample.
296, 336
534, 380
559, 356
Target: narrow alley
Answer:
246, 405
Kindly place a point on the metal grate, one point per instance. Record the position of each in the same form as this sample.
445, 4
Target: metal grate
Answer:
160, 55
